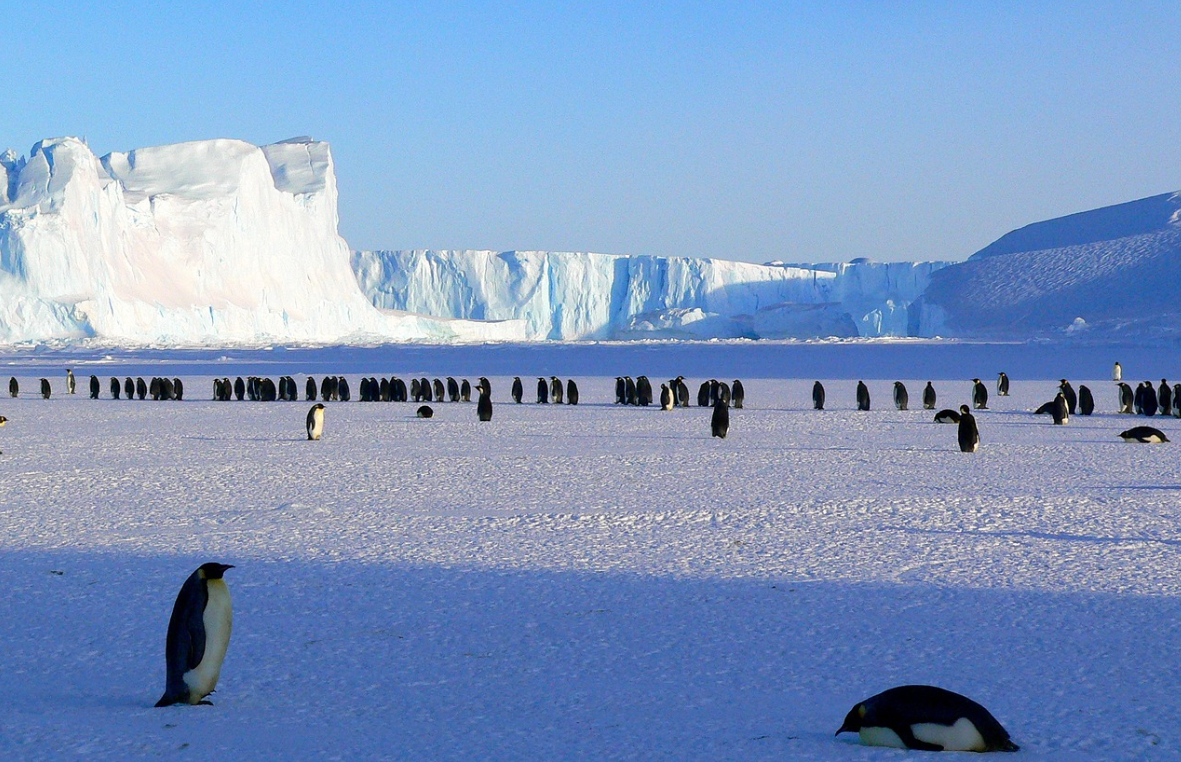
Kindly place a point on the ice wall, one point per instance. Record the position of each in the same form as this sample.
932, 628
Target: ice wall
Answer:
567, 295
208, 242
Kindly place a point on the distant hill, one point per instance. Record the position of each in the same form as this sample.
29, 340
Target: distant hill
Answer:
1109, 273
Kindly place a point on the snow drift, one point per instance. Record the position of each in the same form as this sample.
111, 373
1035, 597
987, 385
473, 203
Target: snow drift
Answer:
1113, 272
216, 241
567, 295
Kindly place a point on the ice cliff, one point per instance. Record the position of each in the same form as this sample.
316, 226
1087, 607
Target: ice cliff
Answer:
208, 242
567, 295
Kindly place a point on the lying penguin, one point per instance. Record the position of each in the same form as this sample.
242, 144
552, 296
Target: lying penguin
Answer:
926, 718
1145, 434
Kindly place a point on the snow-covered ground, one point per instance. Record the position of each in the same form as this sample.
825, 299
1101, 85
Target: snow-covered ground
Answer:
591, 582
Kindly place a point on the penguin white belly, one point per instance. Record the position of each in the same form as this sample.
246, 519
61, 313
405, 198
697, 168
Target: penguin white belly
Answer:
317, 425
880, 737
218, 620
962, 736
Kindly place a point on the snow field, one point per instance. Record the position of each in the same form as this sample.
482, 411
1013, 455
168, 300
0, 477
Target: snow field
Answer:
589, 582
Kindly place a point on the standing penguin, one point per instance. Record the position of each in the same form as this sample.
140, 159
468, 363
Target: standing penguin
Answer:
342, 389
817, 396
309, 390
484, 404
95, 387
129, 388
1002, 385
901, 398
619, 390
14, 388
929, 397
518, 390
737, 394
1060, 410
1165, 395
71, 382
926, 718
666, 398
465, 391
1126, 398
542, 391
141, 387
571, 392
862, 396
1068, 393
555, 390
703, 394
46, 390
115, 387
316, 421
719, 424
1086, 401
1117, 373
1177, 400
452, 389
198, 636
1148, 405
683, 392
968, 434
979, 394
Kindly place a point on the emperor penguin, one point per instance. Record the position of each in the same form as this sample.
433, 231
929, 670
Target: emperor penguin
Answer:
115, 387
629, 390
926, 718
1117, 373
198, 636
1061, 410
1002, 385
555, 390
666, 398
71, 382
619, 390
1176, 398
14, 387
571, 392
452, 389
817, 396
737, 394
1068, 393
518, 390
643, 391
683, 392
95, 387
316, 421
484, 404
46, 390
542, 391
1143, 434
862, 396
1148, 405
901, 398
141, 388
1165, 395
1086, 401
968, 434
979, 395
129, 388
309, 390
465, 391
947, 416
425, 411
719, 424
342, 386
440, 390
1126, 398
178, 389
703, 394
929, 397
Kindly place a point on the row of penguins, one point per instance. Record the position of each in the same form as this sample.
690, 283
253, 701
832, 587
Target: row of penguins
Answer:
158, 388
920, 717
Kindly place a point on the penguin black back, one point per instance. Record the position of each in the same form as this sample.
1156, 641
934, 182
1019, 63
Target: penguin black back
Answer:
542, 391
115, 387
518, 390
862, 396
190, 640
817, 396
929, 397
95, 387
901, 398
571, 392
426, 411
967, 433
1086, 401
720, 421
979, 394
46, 389
14, 387
484, 404
926, 718
737, 394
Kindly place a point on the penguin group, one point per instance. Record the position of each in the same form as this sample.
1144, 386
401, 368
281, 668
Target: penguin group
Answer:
549, 391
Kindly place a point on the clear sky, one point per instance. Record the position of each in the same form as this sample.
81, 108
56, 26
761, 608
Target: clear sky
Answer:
755, 131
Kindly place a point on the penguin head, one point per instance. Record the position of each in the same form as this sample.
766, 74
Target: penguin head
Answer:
318, 406
852, 723
3, 420
964, 409
213, 570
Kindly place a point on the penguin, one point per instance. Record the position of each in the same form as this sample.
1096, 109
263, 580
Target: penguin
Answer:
1176, 397
141, 388
818, 396
400, 394
71, 382
198, 636
1117, 373
1126, 399
385, 390
465, 391
619, 390
166, 389
979, 394
968, 434
46, 390
424, 412
315, 424
452, 389
703, 394
267, 391
713, 391
95, 387
901, 398
1002, 385
862, 396
178, 389
1148, 405
14, 387
571, 392
629, 391
666, 398
947, 416
737, 394
926, 718
643, 391
342, 387
309, 390
3, 420
683, 392
115, 388
484, 404
326, 389
366, 395
216, 390
154, 389
1165, 395
1068, 393
484, 382
929, 397
1061, 410
440, 390
542, 391
555, 390
129, 388
1086, 401
1143, 434
724, 392
719, 424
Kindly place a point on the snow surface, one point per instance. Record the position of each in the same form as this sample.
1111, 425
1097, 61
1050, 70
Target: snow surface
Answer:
208, 242
568, 295
590, 582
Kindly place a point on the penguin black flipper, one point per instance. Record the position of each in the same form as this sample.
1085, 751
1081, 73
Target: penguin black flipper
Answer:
185, 646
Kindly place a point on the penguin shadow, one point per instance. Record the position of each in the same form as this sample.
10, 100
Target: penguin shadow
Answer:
1035, 535
238, 439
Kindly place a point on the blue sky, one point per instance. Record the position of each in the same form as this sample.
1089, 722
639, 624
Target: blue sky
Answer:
753, 131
